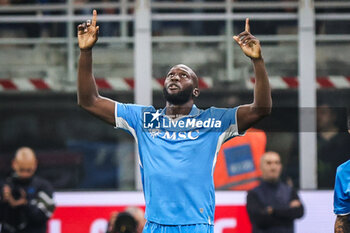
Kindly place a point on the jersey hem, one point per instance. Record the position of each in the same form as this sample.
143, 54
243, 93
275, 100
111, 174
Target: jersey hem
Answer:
177, 224
342, 214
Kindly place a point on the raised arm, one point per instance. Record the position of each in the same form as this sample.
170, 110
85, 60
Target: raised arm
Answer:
250, 114
88, 96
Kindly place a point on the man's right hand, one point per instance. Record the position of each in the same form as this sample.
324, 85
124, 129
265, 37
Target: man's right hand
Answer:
88, 33
249, 44
7, 194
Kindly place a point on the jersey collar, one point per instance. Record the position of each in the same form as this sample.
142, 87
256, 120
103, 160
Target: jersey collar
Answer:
193, 113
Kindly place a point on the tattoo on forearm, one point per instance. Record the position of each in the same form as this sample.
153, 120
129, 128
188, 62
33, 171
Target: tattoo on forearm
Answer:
342, 225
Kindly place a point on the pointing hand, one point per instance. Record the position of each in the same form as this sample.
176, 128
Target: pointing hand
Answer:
249, 44
88, 33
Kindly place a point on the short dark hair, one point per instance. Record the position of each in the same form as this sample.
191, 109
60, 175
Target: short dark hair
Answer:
125, 223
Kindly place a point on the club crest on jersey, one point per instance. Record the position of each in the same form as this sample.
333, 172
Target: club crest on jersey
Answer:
152, 120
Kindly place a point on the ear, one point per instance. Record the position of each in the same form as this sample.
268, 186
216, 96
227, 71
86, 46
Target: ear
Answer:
14, 165
196, 92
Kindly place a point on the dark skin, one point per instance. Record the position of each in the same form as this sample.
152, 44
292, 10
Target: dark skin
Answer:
178, 78
342, 224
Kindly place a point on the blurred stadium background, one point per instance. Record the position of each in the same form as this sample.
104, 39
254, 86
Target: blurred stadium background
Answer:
306, 47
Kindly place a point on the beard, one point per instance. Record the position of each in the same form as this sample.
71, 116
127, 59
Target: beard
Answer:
179, 98
22, 181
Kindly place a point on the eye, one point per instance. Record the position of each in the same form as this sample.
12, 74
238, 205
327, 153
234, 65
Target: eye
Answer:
184, 75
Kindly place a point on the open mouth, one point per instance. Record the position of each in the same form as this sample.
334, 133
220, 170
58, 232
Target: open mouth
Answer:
173, 87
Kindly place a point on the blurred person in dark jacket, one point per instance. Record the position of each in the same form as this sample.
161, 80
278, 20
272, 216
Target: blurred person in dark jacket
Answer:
26, 201
273, 205
332, 143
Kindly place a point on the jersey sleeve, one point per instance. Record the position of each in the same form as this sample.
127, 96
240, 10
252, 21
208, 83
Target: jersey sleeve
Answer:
229, 123
342, 191
127, 116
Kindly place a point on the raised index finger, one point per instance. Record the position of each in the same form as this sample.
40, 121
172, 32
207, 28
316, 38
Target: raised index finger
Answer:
247, 27
94, 18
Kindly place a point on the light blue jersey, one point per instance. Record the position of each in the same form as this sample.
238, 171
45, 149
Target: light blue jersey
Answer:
177, 159
342, 190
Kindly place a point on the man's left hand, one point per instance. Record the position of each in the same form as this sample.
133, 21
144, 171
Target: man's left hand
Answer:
295, 204
249, 44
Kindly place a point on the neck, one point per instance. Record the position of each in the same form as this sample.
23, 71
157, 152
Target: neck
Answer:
175, 111
270, 181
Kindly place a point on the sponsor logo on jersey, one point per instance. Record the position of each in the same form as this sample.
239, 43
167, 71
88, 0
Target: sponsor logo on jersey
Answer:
174, 135
154, 121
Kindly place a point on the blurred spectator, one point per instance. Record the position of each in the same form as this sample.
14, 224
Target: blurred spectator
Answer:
109, 28
51, 29
29, 29
26, 201
333, 145
139, 216
332, 27
4, 2
176, 28
130, 221
124, 223
269, 27
238, 162
83, 11
342, 198
273, 205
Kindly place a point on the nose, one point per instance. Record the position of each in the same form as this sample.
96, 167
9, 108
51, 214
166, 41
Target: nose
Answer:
175, 77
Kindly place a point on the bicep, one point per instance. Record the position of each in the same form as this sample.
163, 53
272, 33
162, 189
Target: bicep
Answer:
247, 116
254, 206
103, 108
